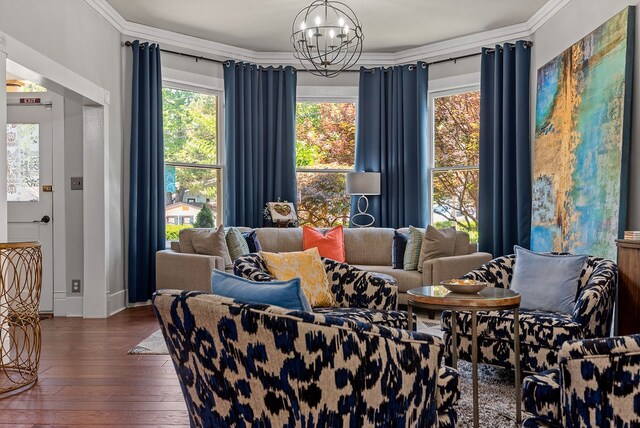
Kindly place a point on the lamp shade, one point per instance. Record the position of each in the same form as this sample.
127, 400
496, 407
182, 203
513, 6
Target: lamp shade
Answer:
363, 183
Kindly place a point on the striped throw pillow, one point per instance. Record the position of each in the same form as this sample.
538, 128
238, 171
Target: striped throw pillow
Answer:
236, 243
412, 251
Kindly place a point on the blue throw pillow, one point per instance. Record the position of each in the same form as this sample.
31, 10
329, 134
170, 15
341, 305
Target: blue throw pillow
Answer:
286, 294
252, 241
547, 282
397, 250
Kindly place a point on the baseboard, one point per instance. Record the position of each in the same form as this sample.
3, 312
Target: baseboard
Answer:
67, 306
116, 302
135, 304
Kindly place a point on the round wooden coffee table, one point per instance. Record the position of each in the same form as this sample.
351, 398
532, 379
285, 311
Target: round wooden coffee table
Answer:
436, 297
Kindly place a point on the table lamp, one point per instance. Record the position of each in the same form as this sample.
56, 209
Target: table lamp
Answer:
363, 183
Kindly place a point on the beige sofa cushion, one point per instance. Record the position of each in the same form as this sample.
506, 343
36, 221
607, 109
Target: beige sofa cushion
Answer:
407, 279
211, 242
462, 244
184, 239
437, 243
280, 239
368, 245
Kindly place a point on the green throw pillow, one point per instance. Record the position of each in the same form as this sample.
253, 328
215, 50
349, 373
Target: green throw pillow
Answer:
414, 245
236, 243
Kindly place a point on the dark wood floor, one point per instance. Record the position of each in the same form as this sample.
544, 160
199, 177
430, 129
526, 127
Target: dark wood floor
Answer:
87, 378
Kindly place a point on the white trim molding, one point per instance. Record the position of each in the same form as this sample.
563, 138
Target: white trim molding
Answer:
223, 51
116, 302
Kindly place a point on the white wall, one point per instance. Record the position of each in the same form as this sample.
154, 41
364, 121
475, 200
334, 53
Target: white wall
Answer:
576, 20
73, 198
72, 34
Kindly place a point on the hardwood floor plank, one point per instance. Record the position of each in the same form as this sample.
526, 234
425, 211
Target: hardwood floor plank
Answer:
87, 378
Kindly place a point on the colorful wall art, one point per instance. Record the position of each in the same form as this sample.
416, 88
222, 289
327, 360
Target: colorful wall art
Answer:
580, 164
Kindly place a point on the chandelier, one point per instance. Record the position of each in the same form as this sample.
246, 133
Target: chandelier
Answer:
327, 37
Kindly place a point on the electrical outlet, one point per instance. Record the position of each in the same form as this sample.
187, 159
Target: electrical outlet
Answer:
76, 286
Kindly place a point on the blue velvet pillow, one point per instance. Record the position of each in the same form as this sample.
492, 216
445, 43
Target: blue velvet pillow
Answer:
397, 250
547, 282
286, 294
252, 241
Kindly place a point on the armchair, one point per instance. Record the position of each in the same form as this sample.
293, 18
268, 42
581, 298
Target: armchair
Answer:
320, 370
541, 333
597, 384
360, 295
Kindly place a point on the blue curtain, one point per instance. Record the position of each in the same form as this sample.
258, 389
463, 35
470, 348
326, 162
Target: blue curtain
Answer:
504, 212
146, 196
391, 138
260, 140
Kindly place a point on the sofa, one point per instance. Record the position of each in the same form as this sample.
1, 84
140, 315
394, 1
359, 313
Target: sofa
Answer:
541, 333
259, 365
366, 248
597, 384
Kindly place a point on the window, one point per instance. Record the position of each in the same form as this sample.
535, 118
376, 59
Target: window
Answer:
325, 150
193, 170
24, 86
454, 171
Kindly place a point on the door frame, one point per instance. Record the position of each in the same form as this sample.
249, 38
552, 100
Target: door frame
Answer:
59, 235
102, 253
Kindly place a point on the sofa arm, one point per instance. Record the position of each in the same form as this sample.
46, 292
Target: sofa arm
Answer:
444, 268
185, 271
356, 288
541, 396
448, 392
594, 306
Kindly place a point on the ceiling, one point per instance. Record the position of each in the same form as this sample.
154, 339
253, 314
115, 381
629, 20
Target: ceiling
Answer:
388, 25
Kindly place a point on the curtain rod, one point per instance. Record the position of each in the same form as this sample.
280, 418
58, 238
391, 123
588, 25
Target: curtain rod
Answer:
527, 44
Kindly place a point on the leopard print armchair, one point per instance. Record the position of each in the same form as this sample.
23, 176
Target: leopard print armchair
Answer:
597, 384
542, 333
360, 295
259, 365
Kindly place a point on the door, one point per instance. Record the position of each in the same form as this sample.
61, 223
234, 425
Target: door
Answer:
29, 188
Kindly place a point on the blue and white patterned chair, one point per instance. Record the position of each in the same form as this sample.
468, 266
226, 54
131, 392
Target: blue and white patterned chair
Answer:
360, 295
541, 333
246, 365
597, 384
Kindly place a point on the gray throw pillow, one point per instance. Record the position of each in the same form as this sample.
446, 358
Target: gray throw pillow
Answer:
462, 244
437, 243
211, 242
547, 282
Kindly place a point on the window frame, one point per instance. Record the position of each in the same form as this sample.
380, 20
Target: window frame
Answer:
219, 166
335, 100
432, 168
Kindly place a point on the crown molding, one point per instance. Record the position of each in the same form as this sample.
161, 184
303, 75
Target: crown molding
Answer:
545, 13
222, 51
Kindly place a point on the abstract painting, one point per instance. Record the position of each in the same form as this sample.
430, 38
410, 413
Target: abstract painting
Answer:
580, 163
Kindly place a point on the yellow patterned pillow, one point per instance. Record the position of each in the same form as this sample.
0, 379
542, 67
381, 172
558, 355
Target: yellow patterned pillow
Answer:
306, 265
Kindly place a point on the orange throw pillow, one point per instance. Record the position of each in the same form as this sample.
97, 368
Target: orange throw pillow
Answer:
329, 245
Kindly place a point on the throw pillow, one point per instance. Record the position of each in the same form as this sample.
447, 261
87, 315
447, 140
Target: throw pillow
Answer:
397, 250
252, 241
329, 244
184, 240
306, 265
547, 282
286, 294
437, 243
462, 244
211, 242
236, 243
414, 245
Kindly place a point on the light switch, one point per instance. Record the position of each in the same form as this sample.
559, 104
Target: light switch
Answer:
76, 183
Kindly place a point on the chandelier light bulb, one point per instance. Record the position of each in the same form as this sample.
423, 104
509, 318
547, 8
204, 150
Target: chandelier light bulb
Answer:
346, 29
341, 22
303, 26
332, 33
318, 21
310, 33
